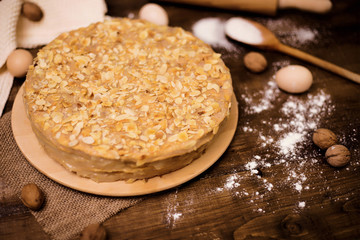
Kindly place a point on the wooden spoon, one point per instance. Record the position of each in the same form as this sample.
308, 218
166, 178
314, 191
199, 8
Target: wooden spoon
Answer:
257, 35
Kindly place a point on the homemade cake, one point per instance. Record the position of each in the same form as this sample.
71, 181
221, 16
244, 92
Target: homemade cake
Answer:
126, 99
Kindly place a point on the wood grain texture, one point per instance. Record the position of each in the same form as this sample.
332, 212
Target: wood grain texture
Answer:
229, 200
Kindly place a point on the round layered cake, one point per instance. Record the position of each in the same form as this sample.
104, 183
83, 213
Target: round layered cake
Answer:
126, 99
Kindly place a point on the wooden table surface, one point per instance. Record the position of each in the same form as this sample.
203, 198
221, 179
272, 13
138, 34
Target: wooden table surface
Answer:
272, 182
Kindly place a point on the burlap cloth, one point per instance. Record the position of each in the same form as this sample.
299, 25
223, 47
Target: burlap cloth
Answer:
66, 212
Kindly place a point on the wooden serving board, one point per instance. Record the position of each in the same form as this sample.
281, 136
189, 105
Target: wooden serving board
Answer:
35, 154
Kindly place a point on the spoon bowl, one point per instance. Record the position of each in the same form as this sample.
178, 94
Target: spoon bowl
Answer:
254, 34
250, 33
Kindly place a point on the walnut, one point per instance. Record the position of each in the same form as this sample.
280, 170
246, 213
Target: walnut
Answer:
94, 231
255, 62
32, 11
324, 138
337, 155
32, 196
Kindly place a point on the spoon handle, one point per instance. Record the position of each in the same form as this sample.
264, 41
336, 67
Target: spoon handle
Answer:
318, 62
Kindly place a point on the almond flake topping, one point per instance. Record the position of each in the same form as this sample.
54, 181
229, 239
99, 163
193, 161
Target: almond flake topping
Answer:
124, 86
88, 140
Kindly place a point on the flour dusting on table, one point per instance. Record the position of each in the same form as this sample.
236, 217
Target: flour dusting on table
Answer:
262, 99
289, 137
172, 213
290, 33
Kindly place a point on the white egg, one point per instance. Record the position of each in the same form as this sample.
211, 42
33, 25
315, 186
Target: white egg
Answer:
154, 13
294, 79
18, 62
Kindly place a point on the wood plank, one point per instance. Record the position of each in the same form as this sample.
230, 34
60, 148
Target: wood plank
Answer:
285, 196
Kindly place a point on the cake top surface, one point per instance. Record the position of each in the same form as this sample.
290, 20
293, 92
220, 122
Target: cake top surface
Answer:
127, 89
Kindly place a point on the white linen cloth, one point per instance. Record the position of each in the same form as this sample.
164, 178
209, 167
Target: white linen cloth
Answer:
17, 31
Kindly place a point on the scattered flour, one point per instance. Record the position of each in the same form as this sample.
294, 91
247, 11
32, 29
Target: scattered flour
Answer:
231, 182
298, 186
289, 137
304, 35
301, 204
262, 99
172, 213
290, 33
280, 64
251, 166
288, 143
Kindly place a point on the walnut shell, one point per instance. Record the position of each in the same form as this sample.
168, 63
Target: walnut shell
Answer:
94, 231
324, 138
255, 62
32, 196
32, 11
337, 155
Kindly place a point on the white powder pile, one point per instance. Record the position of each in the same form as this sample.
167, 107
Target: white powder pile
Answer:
212, 31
